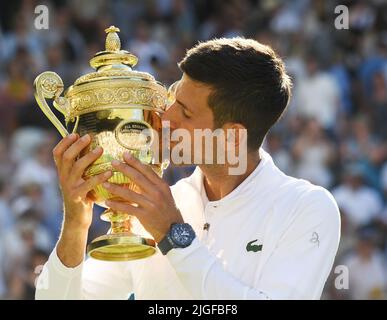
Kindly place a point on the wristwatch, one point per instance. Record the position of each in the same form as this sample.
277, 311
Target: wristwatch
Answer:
180, 235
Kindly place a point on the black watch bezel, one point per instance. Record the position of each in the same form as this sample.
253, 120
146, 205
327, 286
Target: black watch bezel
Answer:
168, 243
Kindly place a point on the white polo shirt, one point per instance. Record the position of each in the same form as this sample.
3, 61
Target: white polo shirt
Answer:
273, 237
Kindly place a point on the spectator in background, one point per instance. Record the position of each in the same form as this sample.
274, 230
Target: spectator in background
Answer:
313, 154
147, 48
6, 223
24, 141
288, 17
22, 280
374, 62
20, 241
6, 164
383, 182
367, 277
6, 214
317, 95
3, 287
37, 258
378, 105
56, 62
358, 202
65, 36
21, 36
275, 145
361, 141
15, 92
38, 169
341, 74
384, 179
364, 147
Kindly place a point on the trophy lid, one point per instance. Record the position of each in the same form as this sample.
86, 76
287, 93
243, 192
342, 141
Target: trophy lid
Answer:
113, 61
114, 83
113, 55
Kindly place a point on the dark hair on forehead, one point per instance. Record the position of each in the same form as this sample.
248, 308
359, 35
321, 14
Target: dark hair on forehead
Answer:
249, 82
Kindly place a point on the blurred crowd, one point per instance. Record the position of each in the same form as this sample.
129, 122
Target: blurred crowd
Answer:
333, 134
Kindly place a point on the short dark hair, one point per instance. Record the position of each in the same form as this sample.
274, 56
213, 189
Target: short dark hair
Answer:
249, 81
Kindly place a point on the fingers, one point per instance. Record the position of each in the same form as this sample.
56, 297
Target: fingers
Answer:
62, 146
128, 195
80, 165
125, 207
137, 177
146, 170
92, 182
71, 154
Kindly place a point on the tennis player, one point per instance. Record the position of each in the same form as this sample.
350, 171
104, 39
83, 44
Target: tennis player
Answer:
256, 235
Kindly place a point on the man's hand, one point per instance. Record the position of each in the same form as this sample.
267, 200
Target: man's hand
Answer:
155, 207
78, 203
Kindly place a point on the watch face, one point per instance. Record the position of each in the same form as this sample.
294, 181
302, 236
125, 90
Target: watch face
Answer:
182, 234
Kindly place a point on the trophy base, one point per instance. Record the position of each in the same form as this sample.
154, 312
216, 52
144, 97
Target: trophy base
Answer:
121, 247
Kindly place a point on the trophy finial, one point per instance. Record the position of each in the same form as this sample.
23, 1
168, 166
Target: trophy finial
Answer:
113, 42
113, 56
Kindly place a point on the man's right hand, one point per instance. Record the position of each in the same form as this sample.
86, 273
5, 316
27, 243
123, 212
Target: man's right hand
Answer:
78, 203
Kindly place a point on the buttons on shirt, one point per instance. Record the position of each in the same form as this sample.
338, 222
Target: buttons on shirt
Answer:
211, 206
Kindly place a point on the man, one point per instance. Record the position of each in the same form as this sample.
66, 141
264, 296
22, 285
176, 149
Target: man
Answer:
256, 235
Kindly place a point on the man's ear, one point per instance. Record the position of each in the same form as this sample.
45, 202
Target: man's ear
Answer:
235, 133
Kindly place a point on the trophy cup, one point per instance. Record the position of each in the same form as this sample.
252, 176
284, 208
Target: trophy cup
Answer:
114, 105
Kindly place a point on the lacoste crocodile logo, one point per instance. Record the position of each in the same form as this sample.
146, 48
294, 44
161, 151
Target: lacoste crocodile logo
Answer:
253, 247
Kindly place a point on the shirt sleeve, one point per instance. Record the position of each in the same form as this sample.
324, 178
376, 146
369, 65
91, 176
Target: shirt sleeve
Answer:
297, 268
92, 279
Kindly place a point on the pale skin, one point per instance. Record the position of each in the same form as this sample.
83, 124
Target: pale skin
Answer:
156, 208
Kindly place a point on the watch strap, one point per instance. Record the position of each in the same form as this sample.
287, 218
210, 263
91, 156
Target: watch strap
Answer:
166, 244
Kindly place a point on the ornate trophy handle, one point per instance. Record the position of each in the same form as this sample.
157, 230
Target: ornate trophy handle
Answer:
48, 85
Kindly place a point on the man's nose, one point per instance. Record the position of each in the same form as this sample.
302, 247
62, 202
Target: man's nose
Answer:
170, 115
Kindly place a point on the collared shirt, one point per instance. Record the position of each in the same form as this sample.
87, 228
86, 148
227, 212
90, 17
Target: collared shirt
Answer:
272, 237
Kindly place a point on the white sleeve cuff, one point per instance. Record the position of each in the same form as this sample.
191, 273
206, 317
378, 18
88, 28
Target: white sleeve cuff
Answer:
176, 255
58, 282
192, 265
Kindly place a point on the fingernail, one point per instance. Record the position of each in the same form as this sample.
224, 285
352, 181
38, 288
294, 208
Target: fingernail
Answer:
86, 137
72, 136
115, 162
107, 174
106, 185
97, 150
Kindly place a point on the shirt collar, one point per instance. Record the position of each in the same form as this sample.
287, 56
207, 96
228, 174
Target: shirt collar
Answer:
253, 182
